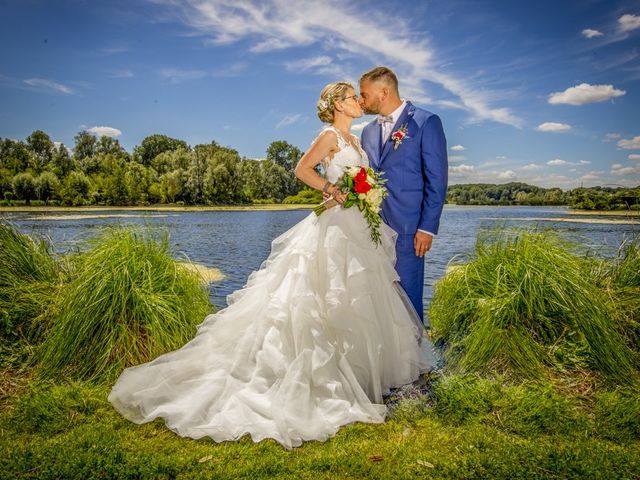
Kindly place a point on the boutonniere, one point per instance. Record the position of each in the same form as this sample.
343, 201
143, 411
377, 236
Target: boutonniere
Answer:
399, 135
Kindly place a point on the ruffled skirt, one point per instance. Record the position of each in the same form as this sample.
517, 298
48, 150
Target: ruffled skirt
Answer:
312, 342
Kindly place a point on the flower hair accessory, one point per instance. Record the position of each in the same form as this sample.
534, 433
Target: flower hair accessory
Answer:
323, 104
399, 135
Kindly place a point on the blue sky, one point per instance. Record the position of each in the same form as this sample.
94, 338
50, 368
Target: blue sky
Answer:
544, 92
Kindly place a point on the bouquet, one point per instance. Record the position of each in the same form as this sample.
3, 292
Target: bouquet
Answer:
364, 189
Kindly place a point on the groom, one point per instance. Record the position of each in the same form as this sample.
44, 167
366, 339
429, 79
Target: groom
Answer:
408, 145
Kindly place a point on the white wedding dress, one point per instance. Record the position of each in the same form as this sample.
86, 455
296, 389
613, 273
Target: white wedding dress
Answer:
312, 342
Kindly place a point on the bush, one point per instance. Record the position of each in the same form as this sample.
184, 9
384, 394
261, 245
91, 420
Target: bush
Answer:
526, 305
127, 303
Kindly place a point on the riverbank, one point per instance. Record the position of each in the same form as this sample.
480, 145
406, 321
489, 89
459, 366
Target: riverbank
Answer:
273, 207
161, 208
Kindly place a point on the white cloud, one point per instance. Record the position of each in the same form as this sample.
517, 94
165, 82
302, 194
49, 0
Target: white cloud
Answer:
589, 177
507, 175
584, 93
557, 162
461, 169
457, 148
634, 156
320, 65
288, 119
553, 127
618, 169
357, 127
532, 166
628, 22
611, 136
176, 75
633, 144
456, 158
105, 131
48, 85
378, 37
584, 162
590, 33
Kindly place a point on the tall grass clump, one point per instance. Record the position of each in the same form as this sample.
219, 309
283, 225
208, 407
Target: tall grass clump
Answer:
525, 304
128, 302
29, 275
620, 277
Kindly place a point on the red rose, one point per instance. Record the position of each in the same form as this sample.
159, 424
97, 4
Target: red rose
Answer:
361, 176
398, 135
361, 187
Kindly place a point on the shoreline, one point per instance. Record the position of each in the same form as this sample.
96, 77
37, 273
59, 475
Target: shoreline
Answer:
278, 207
160, 208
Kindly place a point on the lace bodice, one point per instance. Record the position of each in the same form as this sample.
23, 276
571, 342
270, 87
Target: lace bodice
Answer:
348, 156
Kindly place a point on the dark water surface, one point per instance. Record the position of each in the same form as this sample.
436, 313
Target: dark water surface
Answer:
237, 242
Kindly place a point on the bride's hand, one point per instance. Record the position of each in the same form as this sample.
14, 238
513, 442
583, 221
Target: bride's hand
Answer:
338, 195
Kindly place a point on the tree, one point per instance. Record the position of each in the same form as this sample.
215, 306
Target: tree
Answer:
42, 149
137, 180
111, 146
24, 187
154, 145
223, 179
62, 162
14, 156
284, 154
47, 185
85, 145
76, 188
172, 160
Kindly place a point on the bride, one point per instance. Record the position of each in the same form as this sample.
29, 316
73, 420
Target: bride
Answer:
315, 338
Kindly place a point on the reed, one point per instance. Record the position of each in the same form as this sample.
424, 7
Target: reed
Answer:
128, 302
29, 275
525, 304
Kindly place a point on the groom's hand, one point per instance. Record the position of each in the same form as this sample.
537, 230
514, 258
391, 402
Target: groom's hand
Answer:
422, 243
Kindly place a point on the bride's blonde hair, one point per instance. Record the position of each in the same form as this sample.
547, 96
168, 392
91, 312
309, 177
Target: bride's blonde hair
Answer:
332, 93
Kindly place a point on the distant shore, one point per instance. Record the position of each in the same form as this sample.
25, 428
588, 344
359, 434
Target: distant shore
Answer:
270, 206
160, 208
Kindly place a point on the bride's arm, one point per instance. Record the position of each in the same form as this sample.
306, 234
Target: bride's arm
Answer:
324, 146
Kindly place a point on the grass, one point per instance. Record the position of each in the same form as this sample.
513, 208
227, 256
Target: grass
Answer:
29, 277
127, 303
69, 430
526, 304
500, 419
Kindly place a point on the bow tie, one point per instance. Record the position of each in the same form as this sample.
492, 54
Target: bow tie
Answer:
385, 119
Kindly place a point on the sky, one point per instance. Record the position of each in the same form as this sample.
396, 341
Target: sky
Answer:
544, 92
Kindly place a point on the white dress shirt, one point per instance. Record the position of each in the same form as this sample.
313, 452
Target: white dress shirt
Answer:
386, 131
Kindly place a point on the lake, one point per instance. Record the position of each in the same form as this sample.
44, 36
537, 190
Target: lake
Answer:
236, 242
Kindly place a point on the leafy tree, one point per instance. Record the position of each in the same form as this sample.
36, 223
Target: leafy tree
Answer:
24, 187
284, 154
47, 185
85, 145
223, 178
14, 156
154, 145
172, 160
137, 179
76, 188
42, 149
111, 146
61, 161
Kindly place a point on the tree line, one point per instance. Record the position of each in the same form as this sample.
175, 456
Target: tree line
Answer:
517, 193
99, 171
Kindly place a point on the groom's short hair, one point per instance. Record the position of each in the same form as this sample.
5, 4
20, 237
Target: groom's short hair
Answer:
384, 74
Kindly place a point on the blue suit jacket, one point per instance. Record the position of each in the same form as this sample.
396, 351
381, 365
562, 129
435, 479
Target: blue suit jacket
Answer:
416, 171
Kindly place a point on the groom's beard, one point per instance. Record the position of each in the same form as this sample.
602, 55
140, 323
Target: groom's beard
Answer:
372, 110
